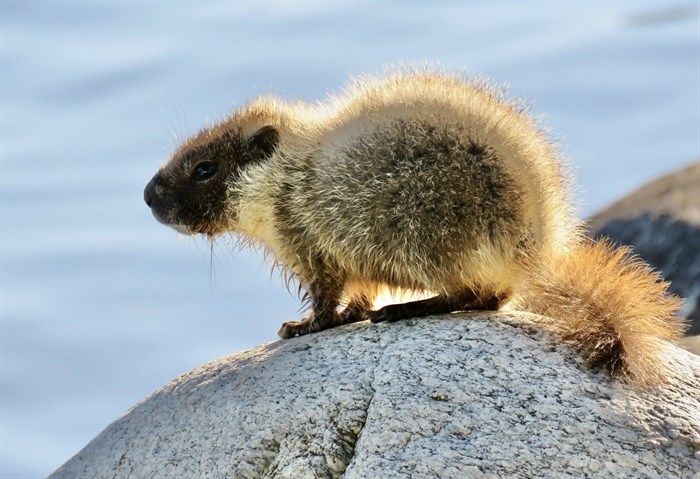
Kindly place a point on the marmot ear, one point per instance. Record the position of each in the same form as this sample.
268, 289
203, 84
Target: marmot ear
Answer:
263, 142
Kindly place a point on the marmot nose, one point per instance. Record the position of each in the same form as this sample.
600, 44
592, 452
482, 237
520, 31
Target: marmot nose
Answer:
150, 191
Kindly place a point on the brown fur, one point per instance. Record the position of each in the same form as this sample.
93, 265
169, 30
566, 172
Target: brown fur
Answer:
609, 305
419, 181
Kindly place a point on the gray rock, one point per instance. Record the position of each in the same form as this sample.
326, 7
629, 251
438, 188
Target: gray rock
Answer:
469, 396
676, 194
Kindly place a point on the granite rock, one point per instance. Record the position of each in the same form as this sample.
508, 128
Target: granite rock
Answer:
464, 395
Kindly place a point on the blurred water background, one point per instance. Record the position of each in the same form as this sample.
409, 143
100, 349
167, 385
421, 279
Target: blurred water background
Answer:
101, 305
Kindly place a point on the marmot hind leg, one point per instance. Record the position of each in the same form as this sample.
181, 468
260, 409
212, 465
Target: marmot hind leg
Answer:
467, 300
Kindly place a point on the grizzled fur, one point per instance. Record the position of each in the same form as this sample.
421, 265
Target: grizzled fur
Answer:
424, 182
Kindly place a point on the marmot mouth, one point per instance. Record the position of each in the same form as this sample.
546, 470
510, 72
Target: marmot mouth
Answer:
180, 228
183, 229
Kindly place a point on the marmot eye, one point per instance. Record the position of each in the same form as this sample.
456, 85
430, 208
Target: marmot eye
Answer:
204, 170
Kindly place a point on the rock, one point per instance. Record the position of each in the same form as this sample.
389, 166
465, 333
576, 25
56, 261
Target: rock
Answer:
469, 395
676, 194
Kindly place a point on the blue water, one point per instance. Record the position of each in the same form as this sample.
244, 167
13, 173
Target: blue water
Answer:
101, 305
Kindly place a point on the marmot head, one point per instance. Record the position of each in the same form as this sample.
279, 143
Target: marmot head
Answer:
194, 191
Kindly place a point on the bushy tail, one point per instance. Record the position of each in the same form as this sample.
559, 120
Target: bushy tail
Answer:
610, 305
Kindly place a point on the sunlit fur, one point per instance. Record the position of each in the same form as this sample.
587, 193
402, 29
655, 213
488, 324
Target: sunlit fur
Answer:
313, 204
477, 109
609, 304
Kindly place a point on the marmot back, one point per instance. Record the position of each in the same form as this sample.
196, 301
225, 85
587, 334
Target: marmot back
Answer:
424, 182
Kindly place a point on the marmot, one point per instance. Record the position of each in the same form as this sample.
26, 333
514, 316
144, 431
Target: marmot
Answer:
419, 181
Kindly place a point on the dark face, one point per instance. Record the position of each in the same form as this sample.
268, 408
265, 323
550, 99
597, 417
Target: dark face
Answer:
193, 191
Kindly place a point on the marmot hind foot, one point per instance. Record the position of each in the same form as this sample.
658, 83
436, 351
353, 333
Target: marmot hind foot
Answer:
440, 304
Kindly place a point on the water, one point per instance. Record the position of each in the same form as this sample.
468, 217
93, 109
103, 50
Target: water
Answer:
101, 305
